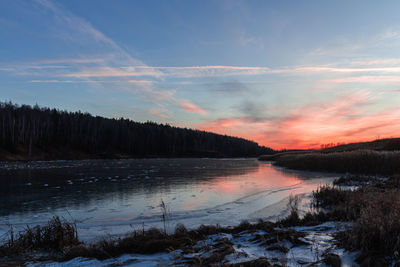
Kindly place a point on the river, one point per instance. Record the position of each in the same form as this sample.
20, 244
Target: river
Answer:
112, 197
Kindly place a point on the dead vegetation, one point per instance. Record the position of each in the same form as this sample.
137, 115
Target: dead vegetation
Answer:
357, 161
60, 240
57, 236
387, 144
377, 157
374, 211
373, 207
356, 180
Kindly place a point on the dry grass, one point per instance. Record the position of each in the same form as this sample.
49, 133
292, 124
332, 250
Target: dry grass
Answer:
374, 211
359, 161
327, 196
356, 180
57, 236
60, 236
389, 144
275, 156
376, 230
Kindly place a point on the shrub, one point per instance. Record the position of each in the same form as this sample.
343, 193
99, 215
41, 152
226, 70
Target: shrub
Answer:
327, 196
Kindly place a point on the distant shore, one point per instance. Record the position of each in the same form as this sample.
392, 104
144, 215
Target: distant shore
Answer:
380, 157
73, 154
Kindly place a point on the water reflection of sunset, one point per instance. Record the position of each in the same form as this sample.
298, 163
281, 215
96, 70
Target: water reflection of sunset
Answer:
233, 187
264, 177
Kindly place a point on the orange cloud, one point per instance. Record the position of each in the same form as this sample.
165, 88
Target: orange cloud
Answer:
344, 119
222, 125
190, 107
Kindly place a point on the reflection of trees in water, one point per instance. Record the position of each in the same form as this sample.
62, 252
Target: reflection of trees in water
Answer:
147, 175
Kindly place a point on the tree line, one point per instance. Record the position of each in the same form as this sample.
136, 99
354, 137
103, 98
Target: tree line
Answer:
31, 129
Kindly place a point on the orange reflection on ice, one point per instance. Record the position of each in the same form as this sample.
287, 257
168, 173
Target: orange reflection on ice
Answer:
258, 179
263, 178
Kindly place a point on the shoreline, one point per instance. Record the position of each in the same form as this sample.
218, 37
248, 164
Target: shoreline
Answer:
26, 160
245, 243
274, 211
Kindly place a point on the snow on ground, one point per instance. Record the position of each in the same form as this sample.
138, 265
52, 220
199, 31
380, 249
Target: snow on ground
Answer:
317, 242
134, 260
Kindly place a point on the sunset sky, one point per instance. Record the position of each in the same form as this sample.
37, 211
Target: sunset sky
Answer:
286, 74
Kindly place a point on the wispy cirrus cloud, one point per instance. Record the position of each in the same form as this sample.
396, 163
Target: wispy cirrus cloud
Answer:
53, 81
366, 79
76, 24
112, 65
381, 62
108, 71
160, 113
69, 60
322, 69
77, 29
190, 107
103, 71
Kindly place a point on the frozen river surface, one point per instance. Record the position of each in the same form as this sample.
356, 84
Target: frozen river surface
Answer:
109, 197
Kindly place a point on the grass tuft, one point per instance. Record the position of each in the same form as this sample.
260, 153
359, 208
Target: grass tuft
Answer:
57, 236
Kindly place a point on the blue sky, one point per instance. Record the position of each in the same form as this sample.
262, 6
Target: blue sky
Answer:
283, 73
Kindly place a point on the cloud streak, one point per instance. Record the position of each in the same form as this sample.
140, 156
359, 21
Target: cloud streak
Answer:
366, 79
98, 70
159, 113
190, 107
80, 68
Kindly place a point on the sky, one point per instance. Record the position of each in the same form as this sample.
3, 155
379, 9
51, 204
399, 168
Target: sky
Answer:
286, 74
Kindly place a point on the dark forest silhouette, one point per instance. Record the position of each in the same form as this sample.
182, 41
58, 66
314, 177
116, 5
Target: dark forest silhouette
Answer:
44, 133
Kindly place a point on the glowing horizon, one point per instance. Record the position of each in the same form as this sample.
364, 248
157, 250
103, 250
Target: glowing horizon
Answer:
286, 75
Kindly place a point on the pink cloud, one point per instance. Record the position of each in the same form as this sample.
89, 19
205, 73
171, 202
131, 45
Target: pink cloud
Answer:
344, 119
190, 107
158, 113
224, 125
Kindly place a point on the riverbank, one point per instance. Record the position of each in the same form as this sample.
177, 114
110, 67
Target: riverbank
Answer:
358, 161
379, 157
260, 244
21, 154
